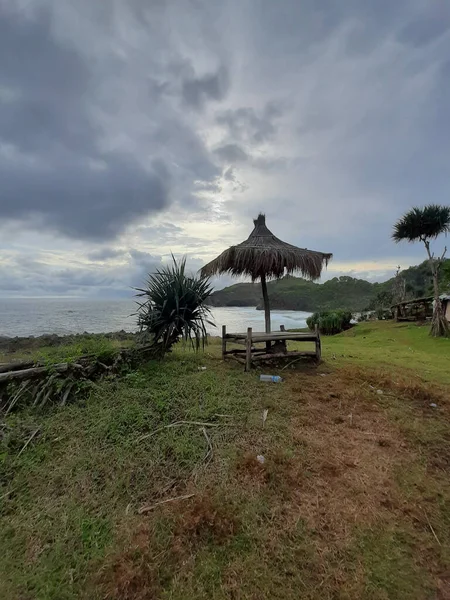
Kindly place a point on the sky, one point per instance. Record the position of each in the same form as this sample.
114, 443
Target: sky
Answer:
134, 130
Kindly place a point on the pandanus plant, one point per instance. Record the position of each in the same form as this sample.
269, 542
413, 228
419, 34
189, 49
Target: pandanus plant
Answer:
173, 307
424, 225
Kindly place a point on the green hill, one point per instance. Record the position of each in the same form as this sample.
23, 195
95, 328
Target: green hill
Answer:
296, 293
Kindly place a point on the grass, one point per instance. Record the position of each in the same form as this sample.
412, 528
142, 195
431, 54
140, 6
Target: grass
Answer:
405, 346
63, 349
352, 500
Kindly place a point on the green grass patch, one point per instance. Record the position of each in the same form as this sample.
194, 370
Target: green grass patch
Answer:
343, 507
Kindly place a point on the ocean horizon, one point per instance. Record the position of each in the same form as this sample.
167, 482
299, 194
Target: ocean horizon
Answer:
25, 317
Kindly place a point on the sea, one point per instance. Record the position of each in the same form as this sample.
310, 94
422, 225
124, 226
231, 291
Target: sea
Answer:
63, 316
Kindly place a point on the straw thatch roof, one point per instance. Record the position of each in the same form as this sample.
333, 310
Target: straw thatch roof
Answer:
264, 254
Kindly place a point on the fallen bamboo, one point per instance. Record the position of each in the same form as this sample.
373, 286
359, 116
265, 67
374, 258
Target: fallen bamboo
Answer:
17, 366
38, 372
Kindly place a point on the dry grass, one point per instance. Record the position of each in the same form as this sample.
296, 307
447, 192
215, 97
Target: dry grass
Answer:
155, 548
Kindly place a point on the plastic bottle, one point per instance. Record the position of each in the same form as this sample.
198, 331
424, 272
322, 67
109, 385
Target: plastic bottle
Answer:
272, 378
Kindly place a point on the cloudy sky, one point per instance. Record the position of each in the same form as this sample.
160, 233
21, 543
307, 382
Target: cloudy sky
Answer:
130, 129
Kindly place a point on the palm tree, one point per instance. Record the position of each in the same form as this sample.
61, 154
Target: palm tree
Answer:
423, 225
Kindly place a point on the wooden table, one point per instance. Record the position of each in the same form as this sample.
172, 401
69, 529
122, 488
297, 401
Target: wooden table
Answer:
253, 353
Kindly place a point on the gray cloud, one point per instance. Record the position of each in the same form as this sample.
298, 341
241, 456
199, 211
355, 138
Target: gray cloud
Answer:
171, 124
244, 124
61, 164
105, 254
231, 154
212, 86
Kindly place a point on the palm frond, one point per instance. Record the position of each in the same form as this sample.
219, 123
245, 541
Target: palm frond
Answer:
420, 224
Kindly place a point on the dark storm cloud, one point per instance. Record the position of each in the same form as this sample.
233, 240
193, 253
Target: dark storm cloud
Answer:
212, 86
56, 167
81, 201
47, 82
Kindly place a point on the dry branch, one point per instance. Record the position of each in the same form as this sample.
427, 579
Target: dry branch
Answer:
177, 424
28, 441
209, 454
145, 509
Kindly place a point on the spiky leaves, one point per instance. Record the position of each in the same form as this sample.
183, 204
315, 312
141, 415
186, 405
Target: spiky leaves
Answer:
174, 306
420, 224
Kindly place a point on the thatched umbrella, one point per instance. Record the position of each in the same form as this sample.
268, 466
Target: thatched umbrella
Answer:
264, 256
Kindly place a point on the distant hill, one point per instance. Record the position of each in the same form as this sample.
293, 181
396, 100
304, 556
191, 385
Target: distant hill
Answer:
296, 293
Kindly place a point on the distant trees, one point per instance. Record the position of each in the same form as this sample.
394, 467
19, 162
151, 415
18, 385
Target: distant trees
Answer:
330, 322
424, 225
399, 286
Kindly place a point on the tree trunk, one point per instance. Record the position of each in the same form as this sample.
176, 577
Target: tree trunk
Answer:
266, 307
439, 323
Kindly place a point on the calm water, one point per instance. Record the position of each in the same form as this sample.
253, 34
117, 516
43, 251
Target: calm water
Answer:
32, 316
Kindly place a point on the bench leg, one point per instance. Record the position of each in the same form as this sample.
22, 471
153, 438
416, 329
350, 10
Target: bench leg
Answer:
318, 345
248, 350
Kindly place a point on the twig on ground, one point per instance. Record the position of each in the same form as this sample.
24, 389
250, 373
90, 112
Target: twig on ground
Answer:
292, 362
7, 493
28, 441
22, 388
145, 509
209, 454
431, 527
264, 416
177, 424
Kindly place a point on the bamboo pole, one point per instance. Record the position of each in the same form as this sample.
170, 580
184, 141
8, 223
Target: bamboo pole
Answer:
266, 308
248, 348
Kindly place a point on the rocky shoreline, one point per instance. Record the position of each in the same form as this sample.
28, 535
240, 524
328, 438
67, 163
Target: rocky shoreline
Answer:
15, 344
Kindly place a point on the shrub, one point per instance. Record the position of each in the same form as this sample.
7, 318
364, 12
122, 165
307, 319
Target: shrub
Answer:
174, 307
330, 322
383, 314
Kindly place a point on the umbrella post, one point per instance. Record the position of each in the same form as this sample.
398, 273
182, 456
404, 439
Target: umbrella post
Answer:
266, 307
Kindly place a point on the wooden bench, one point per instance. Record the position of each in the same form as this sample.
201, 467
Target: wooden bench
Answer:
253, 353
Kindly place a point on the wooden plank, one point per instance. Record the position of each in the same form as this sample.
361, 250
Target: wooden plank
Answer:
239, 359
238, 342
239, 351
274, 336
284, 355
248, 350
